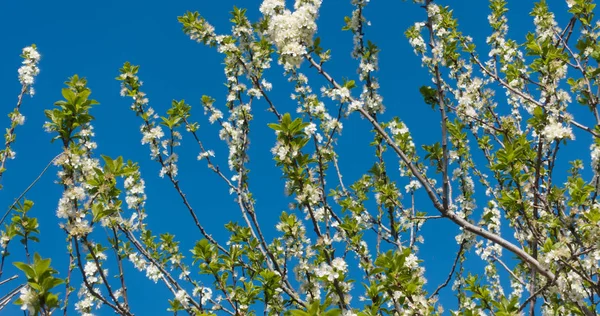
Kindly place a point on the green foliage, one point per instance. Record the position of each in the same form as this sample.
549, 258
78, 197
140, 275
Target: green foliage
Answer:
41, 280
72, 112
315, 309
429, 95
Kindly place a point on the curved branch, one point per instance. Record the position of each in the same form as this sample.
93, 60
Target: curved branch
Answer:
466, 225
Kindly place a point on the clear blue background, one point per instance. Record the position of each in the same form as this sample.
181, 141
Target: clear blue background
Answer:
94, 38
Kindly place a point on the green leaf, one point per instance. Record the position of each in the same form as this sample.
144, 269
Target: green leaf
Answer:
29, 272
429, 95
69, 95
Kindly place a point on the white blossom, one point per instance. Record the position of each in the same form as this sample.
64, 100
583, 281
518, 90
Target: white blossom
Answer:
557, 131
29, 70
153, 273
291, 32
28, 297
154, 133
182, 297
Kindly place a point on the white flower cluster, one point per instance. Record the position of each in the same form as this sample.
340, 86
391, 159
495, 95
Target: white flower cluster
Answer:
401, 135
468, 94
75, 195
17, 118
372, 100
557, 131
355, 24
491, 251
415, 38
87, 301
517, 288
507, 50
557, 252
234, 89
135, 196
151, 134
309, 103
398, 129
206, 154
205, 294
355, 105
7, 153
90, 270
215, 114
29, 69
281, 151
342, 94
311, 194
412, 186
77, 169
419, 303
437, 51
572, 286
310, 129
183, 298
266, 85
4, 240
86, 133
170, 166
546, 26
234, 132
332, 272
595, 155
291, 32
317, 213
201, 31
152, 271
138, 262
28, 298
368, 56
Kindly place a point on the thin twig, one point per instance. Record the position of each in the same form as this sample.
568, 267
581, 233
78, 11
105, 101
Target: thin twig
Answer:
8, 297
68, 281
10, 132
9, 279
508, 270
90, 288
29, 188
458, 255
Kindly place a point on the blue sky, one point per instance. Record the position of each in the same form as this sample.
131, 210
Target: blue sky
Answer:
94, 38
